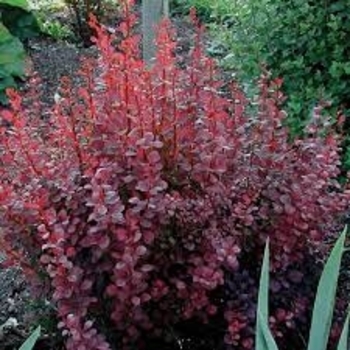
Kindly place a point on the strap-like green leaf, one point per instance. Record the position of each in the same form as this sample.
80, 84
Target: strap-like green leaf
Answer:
267, 341
343, 341
325, 298
30, 342
263, 337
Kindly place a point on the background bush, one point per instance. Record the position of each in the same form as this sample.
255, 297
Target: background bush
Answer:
147, 197
207, 10
303, 42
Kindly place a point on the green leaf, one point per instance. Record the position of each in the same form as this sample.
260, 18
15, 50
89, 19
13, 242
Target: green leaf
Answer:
12, 54
343, 341
10, 51
4, 33
16, 3
267, 341
263, 337
263, 299
30, 342
347, 68
20, 23
325, 298
12, 61
7, 82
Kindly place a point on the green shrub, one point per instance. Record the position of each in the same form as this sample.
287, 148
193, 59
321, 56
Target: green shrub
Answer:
207, 10
323, 307
17, 23
55, 29
303, 41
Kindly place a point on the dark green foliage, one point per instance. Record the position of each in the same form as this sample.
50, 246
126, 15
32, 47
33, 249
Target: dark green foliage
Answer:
207, 10
21, 23
305, 42
12, 57
308, 45
182, 7
17, 23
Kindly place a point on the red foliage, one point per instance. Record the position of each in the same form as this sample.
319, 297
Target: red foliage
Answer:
147, 186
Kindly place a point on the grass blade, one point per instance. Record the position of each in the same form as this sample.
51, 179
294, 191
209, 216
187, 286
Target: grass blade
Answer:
30, 342
324, 304
343, 341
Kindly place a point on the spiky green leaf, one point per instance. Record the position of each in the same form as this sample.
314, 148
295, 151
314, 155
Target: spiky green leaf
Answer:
343, 341
30, 342
325, 298
263, 337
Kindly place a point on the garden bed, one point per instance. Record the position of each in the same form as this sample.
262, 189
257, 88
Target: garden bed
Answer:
54, 60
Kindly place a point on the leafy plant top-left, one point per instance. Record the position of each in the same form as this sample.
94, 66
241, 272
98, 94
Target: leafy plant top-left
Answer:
17, 23
12, 56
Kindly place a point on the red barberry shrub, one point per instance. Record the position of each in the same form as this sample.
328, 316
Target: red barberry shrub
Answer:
146, 190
